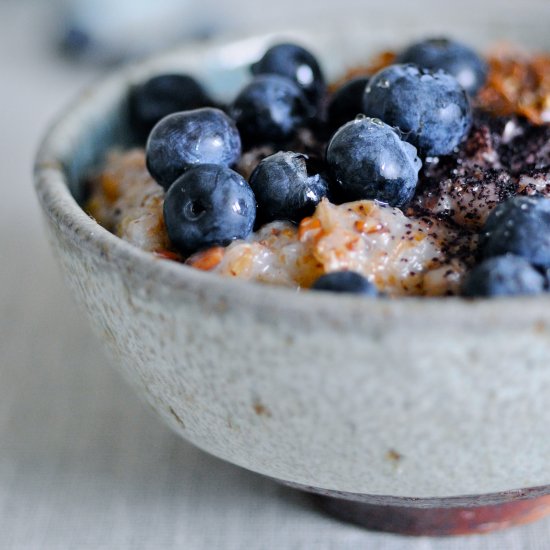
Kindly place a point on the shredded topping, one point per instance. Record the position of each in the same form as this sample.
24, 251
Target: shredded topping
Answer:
518, 84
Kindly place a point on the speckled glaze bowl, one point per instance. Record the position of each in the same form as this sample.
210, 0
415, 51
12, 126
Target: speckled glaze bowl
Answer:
421, 403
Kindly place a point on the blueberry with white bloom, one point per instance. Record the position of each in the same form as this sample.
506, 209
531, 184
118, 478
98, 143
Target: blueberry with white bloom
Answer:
453, 57
369, 160
430, 108
284, 189
181, 140
520, 226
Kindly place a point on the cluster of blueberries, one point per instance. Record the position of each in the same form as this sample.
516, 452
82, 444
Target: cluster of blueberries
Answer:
514, 249
378, 129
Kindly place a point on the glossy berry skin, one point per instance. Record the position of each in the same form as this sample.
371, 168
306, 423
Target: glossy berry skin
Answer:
296, 63
283, 188
345, 281
163, 95
269, 110
346, 102
208, 205
431, 109
453, 57
181, 140
503, 276
368, 160
520, 226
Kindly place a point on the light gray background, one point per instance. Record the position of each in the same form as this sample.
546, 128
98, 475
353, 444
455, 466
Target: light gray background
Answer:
83, 463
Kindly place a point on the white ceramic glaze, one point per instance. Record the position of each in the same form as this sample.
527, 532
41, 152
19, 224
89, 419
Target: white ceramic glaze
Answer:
422, 398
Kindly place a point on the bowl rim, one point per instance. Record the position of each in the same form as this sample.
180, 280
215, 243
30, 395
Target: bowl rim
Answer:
59, 205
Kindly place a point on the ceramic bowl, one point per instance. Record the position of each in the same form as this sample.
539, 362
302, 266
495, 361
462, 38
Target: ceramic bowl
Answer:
427, 402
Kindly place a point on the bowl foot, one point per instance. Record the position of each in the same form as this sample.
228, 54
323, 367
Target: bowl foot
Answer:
408, 520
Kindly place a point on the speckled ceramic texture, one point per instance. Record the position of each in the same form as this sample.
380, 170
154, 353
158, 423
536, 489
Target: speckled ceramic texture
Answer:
430, 399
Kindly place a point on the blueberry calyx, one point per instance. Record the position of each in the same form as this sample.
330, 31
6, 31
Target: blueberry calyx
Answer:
208, 205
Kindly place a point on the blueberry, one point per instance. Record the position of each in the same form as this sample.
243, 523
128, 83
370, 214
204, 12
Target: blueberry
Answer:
368, 160
503, 276
345, 281
296, 63
347, 102
208, 205
520, 226
283, 188
163, 95
546, 275
432, 109
199, 136
270, 109
453, 57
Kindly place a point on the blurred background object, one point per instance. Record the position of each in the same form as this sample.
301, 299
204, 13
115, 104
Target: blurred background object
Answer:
111, 31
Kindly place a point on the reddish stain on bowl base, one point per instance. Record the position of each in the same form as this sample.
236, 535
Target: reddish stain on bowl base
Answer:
463, 520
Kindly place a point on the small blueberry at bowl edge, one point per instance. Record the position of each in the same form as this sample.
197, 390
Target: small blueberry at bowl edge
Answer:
345, 282
297, 63
503, 276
